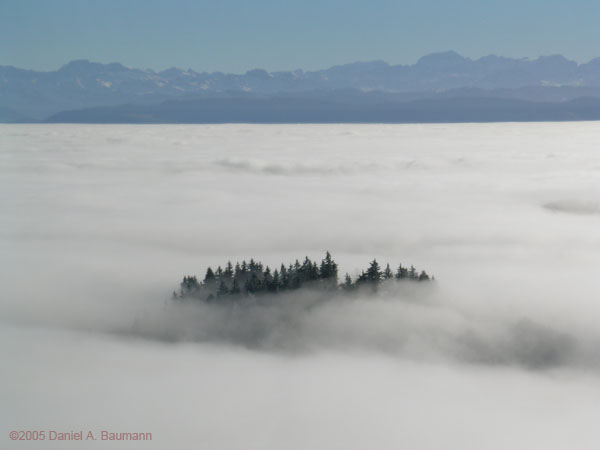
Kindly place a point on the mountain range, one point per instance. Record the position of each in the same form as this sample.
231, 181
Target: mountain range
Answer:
507, 88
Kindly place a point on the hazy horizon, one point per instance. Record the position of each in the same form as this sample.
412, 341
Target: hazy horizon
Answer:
185, 67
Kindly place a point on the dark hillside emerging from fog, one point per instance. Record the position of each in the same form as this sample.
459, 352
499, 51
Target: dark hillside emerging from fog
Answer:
254, 279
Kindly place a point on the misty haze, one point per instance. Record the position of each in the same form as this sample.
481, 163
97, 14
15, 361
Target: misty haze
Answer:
101, 222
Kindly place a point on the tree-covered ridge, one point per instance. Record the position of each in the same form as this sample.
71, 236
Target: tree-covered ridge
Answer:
253, 278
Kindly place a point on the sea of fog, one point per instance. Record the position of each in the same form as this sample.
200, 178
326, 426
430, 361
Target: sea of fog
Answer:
98, 224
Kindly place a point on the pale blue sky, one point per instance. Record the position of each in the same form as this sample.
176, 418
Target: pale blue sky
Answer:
237, 35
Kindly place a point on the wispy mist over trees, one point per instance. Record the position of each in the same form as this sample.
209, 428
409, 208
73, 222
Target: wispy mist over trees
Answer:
253, 278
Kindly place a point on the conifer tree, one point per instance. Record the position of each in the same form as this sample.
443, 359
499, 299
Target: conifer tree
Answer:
402, 272
210, 280
387, 274
304, 271
275, 283
267, 278
189, 284
312, 270
235, 287
228, 272
210, 276
374, 273
296, 275
347, 282
222, 290
328, 271
412, 273
363, 277
252, 284
284, 278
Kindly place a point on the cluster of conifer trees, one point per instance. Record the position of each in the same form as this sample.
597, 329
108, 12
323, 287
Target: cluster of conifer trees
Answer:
254, 278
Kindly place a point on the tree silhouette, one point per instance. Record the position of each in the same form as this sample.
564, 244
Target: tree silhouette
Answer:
251, 279
329, 271
412, 273
387, 273
402, 272
373, 272
235, 288
423, 276
347, 282
222, 290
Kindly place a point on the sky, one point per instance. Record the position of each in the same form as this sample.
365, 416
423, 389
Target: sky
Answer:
238, 35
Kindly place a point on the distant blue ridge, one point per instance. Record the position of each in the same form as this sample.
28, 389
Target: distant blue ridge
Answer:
440, 87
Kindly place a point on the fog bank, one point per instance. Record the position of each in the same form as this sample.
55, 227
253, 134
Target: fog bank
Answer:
100, 223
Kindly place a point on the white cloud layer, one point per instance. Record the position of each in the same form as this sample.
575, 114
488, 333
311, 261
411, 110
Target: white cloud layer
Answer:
99, 223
